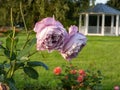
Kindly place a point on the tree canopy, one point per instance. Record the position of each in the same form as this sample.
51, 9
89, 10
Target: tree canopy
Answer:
114, 3
66, 11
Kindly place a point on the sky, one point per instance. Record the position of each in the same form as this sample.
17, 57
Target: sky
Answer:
101, 1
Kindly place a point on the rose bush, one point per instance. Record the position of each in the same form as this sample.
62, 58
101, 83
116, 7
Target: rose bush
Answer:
50, 35
17, 57
73, 78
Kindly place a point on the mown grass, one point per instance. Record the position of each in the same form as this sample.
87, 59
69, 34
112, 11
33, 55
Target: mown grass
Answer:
100, 53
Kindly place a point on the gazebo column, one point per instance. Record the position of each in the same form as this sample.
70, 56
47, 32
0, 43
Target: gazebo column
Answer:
80, 19
98, 20
117, 24
86, 23
103, 24
112, 23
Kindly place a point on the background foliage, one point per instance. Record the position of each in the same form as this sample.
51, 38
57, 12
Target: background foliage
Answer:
64, 10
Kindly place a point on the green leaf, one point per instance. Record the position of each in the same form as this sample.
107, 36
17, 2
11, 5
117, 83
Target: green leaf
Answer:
1, 47
32, 73
18, 65
12, 56
32, 42
16, 39
1, 66
37, 63
11, 84
8, 43
2, 72
24, 58
7, 65
26, 51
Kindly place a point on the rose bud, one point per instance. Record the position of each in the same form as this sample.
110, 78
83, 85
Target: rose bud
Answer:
116, 88
3, 87
73, 71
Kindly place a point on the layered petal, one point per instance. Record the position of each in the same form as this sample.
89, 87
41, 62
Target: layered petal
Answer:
50, 34
49, 21
74, 44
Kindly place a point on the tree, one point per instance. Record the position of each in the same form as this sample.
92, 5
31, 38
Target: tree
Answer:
114, 3
66, 11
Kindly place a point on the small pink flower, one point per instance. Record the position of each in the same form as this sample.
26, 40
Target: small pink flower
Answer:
80, 78
57, 70
82, 72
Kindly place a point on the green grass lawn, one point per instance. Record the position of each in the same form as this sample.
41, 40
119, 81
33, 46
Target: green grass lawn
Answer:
100, 53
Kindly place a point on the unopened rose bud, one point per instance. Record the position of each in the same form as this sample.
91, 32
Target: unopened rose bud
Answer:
116, 88
3, 87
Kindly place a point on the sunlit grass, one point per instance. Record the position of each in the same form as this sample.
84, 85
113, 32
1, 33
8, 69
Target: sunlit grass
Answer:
100, 53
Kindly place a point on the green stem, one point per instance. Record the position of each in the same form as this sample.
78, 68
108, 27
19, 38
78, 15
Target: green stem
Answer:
11, 71
12, 65
23, 18
11, 18
24, 26
13, 35
32, 53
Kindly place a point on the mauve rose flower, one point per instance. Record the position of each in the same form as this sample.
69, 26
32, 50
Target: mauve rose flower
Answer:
74, 44
51, 34
49, 21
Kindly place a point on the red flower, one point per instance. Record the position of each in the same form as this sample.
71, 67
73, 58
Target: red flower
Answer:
57, 70
82, 72
80, 78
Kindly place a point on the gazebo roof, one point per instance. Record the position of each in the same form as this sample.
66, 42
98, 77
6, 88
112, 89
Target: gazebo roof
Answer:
102, 8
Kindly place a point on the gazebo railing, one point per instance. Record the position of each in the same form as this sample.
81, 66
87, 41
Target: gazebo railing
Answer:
109, 30
93, 30
82, 29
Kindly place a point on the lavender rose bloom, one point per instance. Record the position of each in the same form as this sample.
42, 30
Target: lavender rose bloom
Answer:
74, 44
50, 34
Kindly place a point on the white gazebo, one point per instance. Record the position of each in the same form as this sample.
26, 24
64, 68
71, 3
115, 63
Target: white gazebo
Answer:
100, 20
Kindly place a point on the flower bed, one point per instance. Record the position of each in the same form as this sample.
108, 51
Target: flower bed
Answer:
73, 78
